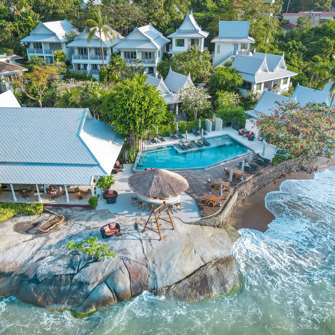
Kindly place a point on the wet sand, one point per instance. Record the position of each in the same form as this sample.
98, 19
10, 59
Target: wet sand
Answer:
252, 212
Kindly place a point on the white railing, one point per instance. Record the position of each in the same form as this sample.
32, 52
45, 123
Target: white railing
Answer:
35, 51
79, 56
149, 61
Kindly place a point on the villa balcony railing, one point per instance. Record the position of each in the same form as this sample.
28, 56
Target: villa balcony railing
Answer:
98, 57
35, 51
79, 56
95, 72
149, 61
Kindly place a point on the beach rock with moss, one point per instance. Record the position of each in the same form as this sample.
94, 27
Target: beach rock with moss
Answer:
189, 263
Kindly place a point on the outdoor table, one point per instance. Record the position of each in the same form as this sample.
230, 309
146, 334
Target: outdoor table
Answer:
214, 200
217, 183
79, 195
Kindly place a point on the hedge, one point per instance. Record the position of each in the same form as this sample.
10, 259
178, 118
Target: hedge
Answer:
9, 210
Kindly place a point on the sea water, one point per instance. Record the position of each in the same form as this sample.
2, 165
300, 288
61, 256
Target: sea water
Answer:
288, 282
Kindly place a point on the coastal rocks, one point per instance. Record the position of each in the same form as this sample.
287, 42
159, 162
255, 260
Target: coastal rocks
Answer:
190, 262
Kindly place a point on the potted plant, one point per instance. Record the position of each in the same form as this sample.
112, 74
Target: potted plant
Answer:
110, 196
105, 182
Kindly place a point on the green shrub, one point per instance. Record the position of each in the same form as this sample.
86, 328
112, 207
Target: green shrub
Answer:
93, 202
105, 182
9, 210
92, 247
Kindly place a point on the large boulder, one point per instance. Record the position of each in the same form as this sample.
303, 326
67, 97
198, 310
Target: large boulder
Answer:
191, 262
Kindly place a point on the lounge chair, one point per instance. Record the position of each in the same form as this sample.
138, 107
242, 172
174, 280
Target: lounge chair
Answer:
161, 138
173, 136
180, 136
198, 144
204, 131
109, 230
195, 132
153, 140
205, 142
260, 160
184, 146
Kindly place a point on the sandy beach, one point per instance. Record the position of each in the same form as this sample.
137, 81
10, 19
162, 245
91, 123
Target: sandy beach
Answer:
252, 212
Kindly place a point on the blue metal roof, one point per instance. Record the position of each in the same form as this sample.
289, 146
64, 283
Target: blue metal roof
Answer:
54, 146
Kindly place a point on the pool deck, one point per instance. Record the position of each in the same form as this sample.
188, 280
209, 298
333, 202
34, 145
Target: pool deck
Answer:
189, 210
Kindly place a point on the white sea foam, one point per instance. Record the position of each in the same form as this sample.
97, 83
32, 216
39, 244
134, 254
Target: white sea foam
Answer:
288, 282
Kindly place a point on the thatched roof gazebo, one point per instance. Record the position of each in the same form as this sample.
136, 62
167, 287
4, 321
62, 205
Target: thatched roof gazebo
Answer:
158, 183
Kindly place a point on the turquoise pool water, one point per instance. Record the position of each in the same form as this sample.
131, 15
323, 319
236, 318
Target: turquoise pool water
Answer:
222, 148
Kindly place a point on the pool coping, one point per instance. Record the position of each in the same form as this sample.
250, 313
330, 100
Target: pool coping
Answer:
196, 168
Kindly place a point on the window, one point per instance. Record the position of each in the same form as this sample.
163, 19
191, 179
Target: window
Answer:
218, 49
130, 54
246, 86
244, 46
195, 42
98, 52
82, 51
95, 67
285, 81
258, 86
148, 55
37, 45
180, 42
150, 70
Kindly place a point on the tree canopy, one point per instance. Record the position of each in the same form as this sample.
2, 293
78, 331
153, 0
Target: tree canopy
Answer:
306, 132
224, 78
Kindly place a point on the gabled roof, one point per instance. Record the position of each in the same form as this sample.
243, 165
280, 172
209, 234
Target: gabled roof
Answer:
55, 146
10, 68
148, 37
81, 40
261, 67
234, 31
168, 96
189, 28
8, 99
176, 81
267, 103
52, 31
289, 26
304, 95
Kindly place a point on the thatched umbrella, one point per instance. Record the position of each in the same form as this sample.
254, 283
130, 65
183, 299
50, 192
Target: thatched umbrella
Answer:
158, 183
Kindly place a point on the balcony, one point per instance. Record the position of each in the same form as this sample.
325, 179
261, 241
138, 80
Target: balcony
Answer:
80, 57
149, 61
35, 51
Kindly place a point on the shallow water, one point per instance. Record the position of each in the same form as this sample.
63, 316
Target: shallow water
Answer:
288, 282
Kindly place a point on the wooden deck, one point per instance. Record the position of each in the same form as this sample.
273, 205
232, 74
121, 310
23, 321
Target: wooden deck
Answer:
199, 185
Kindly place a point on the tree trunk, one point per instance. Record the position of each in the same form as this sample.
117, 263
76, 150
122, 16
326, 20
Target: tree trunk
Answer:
132, 138
103, 55
40, 102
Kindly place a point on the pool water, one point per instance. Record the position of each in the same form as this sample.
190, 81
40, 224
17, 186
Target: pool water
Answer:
222, 148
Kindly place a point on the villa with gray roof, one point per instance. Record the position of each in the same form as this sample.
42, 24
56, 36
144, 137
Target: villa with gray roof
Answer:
87, 56
48, 37
263, 72
233, 39
170, 87
144, 45
188, 35
67, 147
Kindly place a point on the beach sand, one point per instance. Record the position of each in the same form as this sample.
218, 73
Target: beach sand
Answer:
252, 212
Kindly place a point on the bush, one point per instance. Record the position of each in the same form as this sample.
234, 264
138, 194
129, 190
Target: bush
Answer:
92, 247
9, 210
105, 182
93, 202
78, 76
227, 100
237, 116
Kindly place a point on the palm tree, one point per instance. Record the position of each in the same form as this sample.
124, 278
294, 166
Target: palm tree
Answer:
323, 70
98, 24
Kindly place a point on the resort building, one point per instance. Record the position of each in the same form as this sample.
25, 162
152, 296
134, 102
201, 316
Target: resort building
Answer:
68, 147
304, 95
188, 35
8, 99
7, 71
47, 38
315, 17
233, 39
87, 56
145, 45
263, 72
170, 87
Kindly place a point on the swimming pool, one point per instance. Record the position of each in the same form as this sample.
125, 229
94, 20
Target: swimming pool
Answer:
222, 148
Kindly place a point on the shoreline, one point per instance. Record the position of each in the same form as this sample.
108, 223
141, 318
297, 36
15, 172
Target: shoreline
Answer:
252, 213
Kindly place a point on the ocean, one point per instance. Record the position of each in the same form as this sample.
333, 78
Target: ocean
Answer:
288, 282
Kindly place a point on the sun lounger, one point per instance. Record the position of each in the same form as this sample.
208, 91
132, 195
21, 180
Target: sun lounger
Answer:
198, 144
161, 138
201, 130
153, 140
173, 136
180, 136
110, 229
195, 132
205, 142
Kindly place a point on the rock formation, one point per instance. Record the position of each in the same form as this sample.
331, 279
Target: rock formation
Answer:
190, 263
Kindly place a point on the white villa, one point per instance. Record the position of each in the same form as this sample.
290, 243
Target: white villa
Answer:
7, 71
87, 56
48, 37
68, 147
233, 40
189, 34
263, 72
145, 45
170, 87
315, 17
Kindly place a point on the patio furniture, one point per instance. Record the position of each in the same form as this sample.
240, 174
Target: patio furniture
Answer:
241, 132
249, 167
110, 196
198, 144
261, 160
202, 131
180, 136
80, 194
173, 136
118, 165
161, 138
205, 142
153, 140
218, 183
110, 229
55, 191
26, 191
195, 132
